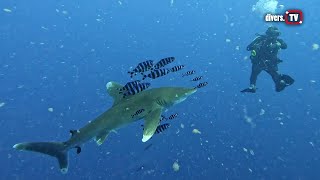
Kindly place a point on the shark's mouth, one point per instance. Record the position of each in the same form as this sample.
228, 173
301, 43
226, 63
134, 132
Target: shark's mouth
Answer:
180, 100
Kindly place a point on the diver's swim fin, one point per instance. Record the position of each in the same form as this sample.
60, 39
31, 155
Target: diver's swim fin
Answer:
250, 90
285, 81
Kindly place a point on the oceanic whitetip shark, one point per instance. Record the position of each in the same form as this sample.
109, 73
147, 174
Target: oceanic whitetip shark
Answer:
153, 101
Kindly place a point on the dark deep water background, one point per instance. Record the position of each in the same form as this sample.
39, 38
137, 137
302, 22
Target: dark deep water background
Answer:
62, 60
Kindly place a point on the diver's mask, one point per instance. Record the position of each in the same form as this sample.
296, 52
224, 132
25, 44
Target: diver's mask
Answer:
273, 32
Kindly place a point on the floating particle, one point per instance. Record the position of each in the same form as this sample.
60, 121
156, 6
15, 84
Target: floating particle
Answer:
50, 109
64, 12
311, 144
226, 18
237, 48
315, 46
175, 166
245, 149
248, 119
262, 111
120, 2
45, 28
281, 6
250, 170
228, 40
196, 131
182, 125
171, 3
312, 81
7, 10
251, 152
2, 104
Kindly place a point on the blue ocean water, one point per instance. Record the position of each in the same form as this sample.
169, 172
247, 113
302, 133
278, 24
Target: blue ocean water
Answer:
60, 55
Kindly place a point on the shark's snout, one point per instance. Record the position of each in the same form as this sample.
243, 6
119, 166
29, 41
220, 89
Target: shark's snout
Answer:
191, 91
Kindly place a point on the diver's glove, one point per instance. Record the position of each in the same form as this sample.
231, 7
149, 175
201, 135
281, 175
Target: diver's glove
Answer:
275, 45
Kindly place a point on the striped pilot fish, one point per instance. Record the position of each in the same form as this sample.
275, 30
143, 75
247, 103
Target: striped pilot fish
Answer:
201, 85
163, 62
141, 68
189, 73
161, 128
171, 117
133, 88
156, 73
137, 113
136, 89
197, 78
177, 68
128, 86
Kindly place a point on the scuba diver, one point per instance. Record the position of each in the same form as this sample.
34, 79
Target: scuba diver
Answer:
264, 50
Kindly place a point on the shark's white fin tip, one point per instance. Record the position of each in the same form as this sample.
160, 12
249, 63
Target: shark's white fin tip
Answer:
64, 170
146, 138
15, 146
109, 85
114, 131
99, 142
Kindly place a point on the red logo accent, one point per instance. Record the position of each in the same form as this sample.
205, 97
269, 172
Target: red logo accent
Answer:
294, 17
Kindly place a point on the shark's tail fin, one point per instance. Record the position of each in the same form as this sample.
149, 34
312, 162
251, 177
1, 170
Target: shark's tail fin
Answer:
55, 149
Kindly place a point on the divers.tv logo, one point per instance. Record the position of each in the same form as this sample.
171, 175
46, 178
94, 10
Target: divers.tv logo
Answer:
291, 17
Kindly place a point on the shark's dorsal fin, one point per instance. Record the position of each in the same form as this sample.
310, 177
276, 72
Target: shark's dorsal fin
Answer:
100, 138
113, 89
151, 122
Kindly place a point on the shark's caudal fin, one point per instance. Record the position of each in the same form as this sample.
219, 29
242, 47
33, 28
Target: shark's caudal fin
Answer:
54, 149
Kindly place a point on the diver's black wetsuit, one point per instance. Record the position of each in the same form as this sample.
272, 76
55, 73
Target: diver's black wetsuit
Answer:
264, 50
266, 58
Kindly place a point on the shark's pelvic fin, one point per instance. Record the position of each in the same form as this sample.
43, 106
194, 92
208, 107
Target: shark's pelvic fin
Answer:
151, 122
73, 132
100, 138
113, 89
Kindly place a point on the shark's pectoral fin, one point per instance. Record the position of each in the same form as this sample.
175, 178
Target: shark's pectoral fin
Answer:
100, 138
113, 90
151, 122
